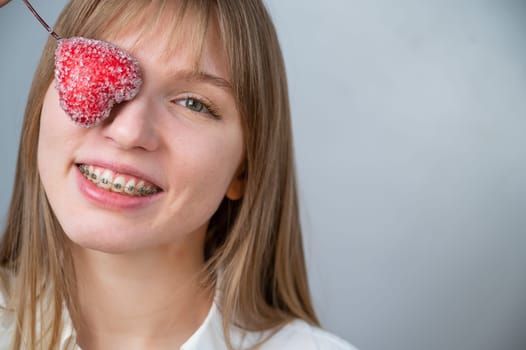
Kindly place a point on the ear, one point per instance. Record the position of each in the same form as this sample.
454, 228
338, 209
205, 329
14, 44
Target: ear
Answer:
236, 189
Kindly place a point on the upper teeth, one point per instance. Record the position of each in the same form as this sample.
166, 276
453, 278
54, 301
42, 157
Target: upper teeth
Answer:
108, 180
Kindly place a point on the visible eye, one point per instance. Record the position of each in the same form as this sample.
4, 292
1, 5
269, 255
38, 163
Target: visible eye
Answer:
193, 105
198, 105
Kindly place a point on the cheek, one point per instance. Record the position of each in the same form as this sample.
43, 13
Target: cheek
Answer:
48, 137
219, 158
58, 138
57, 132
211, 176
205, 166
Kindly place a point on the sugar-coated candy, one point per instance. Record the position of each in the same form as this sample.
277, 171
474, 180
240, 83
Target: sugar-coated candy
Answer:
91, 76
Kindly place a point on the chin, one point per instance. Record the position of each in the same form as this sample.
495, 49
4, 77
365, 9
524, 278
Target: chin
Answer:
106, 240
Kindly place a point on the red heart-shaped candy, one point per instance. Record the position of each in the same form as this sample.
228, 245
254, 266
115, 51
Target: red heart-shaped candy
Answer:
91, 76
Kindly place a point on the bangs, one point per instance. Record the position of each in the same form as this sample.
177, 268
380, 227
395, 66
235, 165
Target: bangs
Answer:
182, 23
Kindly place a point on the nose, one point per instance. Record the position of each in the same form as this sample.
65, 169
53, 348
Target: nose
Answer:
131, 125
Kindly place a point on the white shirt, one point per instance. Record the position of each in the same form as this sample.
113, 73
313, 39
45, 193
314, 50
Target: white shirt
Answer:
209, 336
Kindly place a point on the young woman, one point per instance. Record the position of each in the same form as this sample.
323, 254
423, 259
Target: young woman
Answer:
171, 221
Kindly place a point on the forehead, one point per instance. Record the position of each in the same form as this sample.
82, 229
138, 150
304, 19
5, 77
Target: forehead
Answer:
168, 34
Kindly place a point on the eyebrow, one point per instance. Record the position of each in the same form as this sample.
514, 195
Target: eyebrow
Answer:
200, 76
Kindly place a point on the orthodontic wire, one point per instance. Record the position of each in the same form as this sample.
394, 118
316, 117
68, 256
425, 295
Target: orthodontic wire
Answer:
41, 20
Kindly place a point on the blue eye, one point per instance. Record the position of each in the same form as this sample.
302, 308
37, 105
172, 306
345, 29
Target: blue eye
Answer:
198, 105
194, 105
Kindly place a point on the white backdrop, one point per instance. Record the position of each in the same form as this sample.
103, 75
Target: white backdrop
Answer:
410, 132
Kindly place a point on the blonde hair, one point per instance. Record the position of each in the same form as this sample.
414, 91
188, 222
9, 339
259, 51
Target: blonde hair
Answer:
253, 247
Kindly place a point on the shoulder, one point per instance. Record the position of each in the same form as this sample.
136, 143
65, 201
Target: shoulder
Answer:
6, 280
7, 321
296, 334
299, 334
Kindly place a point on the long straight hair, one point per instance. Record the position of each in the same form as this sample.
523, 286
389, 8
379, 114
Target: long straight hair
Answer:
253, 247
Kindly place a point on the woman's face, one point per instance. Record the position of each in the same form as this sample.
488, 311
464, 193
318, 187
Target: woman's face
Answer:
165, 137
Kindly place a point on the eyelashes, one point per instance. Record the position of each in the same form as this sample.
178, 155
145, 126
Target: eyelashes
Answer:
77, 53
198, 105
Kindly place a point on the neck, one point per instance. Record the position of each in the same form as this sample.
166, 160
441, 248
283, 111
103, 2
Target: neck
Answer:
140, 300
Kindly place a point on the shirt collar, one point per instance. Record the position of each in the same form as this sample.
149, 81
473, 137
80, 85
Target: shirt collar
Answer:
208, 336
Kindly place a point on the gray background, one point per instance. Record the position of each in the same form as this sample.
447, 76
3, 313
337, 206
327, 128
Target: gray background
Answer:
409, 121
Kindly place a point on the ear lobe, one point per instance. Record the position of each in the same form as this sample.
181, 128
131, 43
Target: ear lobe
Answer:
236, 189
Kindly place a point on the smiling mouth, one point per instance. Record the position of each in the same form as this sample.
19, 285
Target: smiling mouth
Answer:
119, 183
